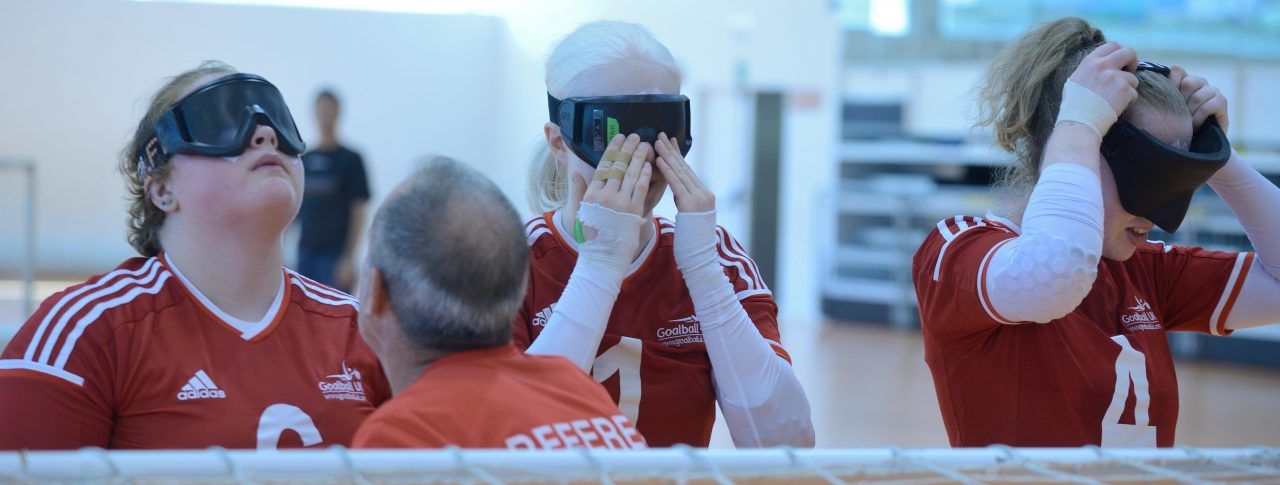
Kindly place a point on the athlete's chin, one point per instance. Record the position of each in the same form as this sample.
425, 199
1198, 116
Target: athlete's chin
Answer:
276, 191
269, 208
1119, 251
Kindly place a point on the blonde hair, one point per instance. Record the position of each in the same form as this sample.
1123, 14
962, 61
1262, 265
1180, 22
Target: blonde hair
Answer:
572, 67
1023, 90
145, 219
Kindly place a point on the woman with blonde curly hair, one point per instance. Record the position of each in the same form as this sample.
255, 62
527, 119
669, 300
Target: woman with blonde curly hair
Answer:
1048, 327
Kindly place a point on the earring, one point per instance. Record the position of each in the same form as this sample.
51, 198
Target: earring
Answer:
166, 202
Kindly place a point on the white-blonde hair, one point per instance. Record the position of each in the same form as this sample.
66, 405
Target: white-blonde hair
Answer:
572, 67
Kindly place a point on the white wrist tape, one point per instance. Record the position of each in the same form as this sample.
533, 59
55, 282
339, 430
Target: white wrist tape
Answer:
611, 226
1082, 105
616, 240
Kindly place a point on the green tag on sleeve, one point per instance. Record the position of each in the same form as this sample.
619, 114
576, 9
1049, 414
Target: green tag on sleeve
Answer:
612, 129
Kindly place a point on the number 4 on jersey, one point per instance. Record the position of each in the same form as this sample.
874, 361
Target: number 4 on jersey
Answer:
1131, 370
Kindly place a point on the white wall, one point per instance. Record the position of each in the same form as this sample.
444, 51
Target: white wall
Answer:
76, 75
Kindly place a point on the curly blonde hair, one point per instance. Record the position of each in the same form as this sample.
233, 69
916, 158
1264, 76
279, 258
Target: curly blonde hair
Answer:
1023, 91
145, 219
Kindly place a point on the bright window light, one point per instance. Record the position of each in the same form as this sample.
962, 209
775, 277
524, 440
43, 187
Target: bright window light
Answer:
889, 18
398, 6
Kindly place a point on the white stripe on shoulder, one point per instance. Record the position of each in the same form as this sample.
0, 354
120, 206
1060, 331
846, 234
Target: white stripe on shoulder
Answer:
46, 350
734, 251
746, 276
982, 281
321, 289
744, 294
71, 297
665, 226
1226, 293
24, 364
535, 226
331, 302
937, 265
945, 231
529, 225
741, 252
92, 316
743, 271
537, 233
1166, 247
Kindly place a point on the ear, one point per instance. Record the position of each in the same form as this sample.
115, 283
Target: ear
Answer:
555, 143
377, 304
159, 194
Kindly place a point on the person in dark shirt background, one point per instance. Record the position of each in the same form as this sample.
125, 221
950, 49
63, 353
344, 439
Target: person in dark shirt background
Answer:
333, 205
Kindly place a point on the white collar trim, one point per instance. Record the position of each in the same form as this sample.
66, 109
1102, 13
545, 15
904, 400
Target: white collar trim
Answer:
248, 330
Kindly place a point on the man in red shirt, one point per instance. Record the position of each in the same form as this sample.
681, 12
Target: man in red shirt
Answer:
444, 278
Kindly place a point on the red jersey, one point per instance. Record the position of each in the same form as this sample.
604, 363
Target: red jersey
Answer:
138, 358
500, 398
651, 359
1101, 375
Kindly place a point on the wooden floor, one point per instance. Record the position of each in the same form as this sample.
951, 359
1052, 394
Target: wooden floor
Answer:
869, 387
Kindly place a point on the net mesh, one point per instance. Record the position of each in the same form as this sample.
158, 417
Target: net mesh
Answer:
997, 465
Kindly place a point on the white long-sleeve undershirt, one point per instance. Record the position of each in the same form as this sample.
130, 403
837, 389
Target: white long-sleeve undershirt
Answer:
1253, 199
759, 393
1045, 272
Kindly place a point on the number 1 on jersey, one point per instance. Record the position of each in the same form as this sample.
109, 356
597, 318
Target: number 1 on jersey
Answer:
622, 359
1131, 369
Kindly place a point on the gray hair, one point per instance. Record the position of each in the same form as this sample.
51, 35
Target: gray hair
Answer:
453, 258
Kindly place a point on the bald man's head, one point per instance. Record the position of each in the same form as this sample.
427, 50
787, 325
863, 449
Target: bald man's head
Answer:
452, 254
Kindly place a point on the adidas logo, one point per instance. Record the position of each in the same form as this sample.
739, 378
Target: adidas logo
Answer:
201, 387
541, 319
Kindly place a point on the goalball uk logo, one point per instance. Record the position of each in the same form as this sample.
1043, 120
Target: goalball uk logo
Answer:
1140, 316
346, 385
687, 330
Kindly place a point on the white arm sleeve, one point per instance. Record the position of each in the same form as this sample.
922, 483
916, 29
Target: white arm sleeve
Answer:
1253, 199
761, 397
1045, 272
580, 316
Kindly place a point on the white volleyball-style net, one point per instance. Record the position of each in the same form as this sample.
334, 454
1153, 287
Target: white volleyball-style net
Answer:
999, 465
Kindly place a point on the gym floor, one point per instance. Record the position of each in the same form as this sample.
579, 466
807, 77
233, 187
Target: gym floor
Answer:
869, 387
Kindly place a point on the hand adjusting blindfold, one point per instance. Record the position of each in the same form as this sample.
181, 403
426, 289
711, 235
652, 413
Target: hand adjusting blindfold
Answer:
219, 120
1156, 180
588, 123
